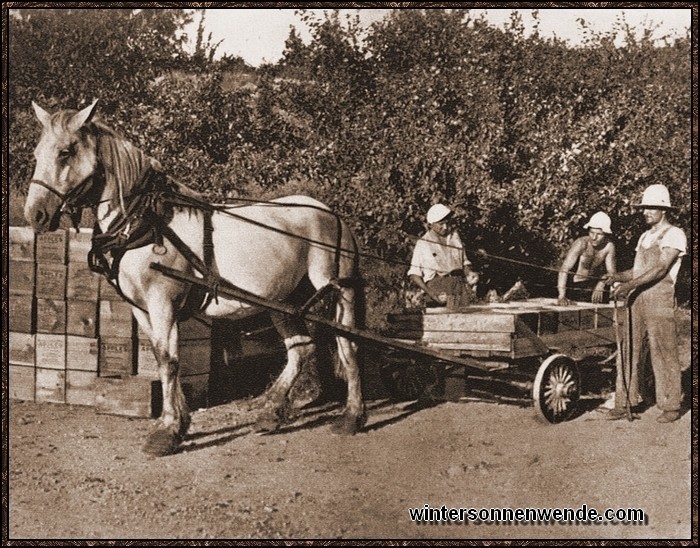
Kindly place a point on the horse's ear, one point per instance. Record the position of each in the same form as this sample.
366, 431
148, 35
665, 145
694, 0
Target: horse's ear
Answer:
82, 117
44, 117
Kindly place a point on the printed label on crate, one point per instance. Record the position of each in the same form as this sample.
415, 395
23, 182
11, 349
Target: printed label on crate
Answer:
116, 356
51, 247
82, 318
22, 347
83, 283
51, 351
82, 353
80, 387
21, 277
51, 316
21, 313
51, 280
21, 382
21, 243
50, 385
147, 365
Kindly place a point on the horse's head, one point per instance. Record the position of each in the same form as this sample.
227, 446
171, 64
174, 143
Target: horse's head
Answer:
66, 161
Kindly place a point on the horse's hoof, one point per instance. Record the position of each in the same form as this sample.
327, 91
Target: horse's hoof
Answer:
162, 443
348, 425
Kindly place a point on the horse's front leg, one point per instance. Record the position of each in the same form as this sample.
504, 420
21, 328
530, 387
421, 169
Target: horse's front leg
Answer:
175, 417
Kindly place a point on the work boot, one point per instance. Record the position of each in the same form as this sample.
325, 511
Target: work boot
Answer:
616, 414
668, 416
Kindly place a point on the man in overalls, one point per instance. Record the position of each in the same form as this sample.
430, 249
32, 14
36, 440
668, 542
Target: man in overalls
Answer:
650, 286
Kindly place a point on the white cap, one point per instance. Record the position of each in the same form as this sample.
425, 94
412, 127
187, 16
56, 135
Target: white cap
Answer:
600, 220
656, 196
437, 213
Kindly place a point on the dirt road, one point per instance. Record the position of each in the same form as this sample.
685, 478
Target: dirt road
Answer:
76, 474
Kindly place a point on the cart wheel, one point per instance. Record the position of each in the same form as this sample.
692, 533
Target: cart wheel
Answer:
407, 379
557, 388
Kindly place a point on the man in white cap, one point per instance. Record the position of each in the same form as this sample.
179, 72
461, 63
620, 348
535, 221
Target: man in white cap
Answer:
439, 265
595, 255
650, 286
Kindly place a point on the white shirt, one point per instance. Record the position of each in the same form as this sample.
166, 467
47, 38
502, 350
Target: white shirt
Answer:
433, 255
674, 238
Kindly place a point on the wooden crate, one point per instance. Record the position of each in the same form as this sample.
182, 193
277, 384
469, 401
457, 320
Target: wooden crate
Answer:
195, 328
81, 318
50, 385
195, 358
52, 247
50, 351
79, 244
51, 316
108, 292
116, 319
51, 280
128, 396
82, 353
83, 284
116, 357
22, 348
21, 382
22, 316
21, 243
80, 387
21, 277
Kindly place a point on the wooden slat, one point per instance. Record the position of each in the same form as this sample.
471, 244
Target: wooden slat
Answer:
477, 322
128, 396
51, 316
82, 353
50, 385
21, 382
116, 319
21, 243
22, 348
499, 340
22, 313
81, 318
80, 387
21, 277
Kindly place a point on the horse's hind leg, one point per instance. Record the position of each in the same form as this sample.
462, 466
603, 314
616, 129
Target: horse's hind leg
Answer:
355, 415
175, 417
299, 347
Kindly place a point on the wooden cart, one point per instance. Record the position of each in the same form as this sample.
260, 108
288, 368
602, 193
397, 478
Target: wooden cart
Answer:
519, 339
504, 338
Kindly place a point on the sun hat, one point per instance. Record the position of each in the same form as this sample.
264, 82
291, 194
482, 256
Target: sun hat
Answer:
600, 220
656, 197
437, 213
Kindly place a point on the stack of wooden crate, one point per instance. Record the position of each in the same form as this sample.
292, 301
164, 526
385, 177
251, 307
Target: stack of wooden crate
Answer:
73, 339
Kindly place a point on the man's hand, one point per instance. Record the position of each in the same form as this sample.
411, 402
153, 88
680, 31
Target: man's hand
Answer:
563, 301
623, 290
597, 297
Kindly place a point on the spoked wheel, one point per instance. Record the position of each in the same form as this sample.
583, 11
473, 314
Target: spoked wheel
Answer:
557, 388
407, 379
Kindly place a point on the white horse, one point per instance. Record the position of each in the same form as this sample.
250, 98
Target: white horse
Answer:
143, 217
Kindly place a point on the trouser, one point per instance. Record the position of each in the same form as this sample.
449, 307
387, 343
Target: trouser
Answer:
451, 285
653, 316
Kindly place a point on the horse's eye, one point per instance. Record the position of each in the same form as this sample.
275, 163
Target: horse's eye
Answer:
66, 152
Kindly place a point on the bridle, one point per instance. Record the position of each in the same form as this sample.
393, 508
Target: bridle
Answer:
72, 201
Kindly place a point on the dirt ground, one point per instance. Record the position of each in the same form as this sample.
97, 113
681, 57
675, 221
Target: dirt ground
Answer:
77, 474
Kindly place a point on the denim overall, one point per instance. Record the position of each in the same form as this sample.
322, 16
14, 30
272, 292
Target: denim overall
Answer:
652, 314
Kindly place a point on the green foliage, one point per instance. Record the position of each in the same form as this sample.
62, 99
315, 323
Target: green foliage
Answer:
527, 136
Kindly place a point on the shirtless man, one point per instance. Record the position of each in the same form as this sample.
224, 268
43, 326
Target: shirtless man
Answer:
592, 252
